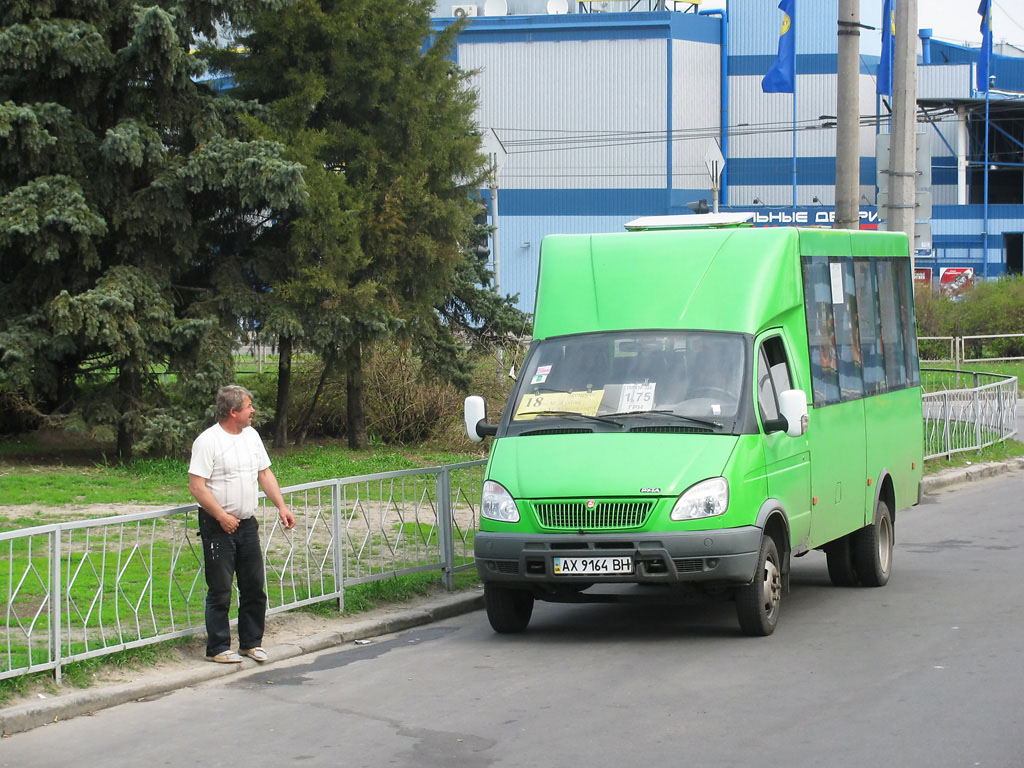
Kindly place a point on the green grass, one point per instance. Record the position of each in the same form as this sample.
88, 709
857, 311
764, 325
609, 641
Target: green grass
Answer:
163, 482
374, 594
1002, 451
1006, 368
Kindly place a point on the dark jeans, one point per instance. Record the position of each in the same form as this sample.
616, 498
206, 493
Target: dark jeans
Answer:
226, 556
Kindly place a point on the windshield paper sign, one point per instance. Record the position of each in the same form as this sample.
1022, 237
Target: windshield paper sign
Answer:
585, 403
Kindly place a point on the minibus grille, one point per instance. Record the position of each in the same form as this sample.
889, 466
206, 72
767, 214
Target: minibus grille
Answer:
674, 430
574, 515
559, 431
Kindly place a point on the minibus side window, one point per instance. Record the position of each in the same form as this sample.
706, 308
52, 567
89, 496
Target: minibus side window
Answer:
907, 321
821, 336
867, 323
772, 376
851, 364
766, 397
893, 347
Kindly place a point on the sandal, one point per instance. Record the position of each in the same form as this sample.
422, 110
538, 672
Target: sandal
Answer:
225, 657
256, 654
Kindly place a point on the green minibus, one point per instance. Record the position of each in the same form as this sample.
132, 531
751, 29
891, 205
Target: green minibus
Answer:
698, 406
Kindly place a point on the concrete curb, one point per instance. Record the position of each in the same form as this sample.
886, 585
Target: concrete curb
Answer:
953, 477
28, 716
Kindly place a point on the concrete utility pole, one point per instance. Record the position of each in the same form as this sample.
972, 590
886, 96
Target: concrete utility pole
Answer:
848, 117
495, 247
903, 144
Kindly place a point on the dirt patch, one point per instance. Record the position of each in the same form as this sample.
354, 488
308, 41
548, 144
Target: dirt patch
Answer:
69, 513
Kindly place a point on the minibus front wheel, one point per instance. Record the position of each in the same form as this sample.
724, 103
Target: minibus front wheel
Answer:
508, 610
758, 603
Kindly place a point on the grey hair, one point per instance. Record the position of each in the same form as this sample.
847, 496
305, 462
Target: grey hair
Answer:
230, 398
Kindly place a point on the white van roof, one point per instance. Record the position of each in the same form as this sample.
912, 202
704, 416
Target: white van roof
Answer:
688, 221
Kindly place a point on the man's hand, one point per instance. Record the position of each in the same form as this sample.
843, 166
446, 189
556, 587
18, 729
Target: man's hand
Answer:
229, 523
287, 518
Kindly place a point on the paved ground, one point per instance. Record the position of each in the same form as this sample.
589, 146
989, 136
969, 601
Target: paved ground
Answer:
296, 633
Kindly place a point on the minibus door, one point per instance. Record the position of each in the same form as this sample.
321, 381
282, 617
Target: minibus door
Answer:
787, 464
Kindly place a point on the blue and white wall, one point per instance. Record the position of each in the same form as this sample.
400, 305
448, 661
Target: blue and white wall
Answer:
610, 116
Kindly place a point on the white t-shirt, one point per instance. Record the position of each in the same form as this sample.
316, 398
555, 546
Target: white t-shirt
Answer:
230, 464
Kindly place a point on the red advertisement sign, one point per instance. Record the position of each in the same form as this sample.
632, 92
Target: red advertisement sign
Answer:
923, 275
955, 280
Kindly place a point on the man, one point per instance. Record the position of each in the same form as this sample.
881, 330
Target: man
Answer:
228, 461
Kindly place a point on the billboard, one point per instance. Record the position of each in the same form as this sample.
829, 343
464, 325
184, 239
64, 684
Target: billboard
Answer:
954, 281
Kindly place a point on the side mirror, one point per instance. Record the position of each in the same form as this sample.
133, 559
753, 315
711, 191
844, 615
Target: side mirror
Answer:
475, 413
793, 404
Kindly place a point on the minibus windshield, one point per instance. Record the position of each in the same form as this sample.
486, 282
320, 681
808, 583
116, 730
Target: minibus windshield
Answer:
621, 376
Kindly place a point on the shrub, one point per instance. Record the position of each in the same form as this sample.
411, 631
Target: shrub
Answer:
991, 307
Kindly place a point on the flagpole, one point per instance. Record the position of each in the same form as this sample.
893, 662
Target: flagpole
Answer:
794, 137
794, 32
986, 54
984, 247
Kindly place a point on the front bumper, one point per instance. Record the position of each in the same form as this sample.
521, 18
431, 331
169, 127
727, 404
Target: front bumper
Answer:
726, 556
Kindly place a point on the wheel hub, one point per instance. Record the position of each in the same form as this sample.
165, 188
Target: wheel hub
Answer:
772, 588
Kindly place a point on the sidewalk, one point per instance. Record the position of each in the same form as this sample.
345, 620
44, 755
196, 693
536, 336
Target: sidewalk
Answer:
283, 640
291, 634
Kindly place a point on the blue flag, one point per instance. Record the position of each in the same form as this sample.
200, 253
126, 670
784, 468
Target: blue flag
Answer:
985, 10
883, 84
781, 78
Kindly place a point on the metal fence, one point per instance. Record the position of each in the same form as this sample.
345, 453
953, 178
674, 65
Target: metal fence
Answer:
88, 588
966, 410
957, 350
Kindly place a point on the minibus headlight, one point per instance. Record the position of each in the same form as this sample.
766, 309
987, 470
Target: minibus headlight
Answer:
498, 504
705, 499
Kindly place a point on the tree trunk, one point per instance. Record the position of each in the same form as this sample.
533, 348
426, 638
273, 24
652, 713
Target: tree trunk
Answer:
129, 386
284, 391
303, 428
355, 417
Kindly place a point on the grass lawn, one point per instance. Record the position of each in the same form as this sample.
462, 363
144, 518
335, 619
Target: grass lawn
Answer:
34, 473
1009, 368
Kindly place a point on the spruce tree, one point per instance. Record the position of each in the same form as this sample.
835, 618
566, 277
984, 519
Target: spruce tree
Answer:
366, 90
127, 200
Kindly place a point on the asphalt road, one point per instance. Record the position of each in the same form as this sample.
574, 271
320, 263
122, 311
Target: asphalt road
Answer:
924, 672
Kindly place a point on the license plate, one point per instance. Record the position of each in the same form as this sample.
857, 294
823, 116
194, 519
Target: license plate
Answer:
587, 566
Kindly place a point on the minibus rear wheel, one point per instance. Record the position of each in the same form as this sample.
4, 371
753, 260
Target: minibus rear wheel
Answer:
872, 548
508, 610
758, 603
839, 555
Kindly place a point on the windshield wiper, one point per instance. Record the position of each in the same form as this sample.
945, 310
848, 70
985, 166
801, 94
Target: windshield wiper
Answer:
666, 412
574, 413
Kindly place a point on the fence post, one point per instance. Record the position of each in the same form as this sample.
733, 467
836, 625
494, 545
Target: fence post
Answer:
977, 415
56, 599
999, 406
445, 528
945, 425
339, 549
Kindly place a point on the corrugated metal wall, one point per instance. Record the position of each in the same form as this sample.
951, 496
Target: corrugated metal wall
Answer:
576, 113
944, 82
696, 111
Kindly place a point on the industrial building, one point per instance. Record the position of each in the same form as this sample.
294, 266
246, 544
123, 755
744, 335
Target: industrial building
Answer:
599, 112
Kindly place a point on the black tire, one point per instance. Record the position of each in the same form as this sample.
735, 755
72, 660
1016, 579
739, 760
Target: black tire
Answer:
872, 548
508, 610
758, 603
841, 570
